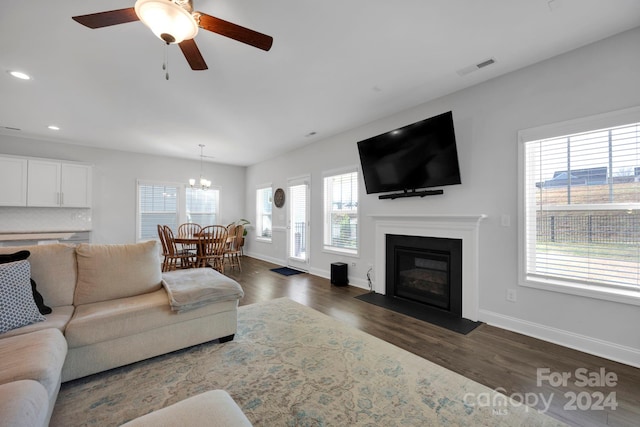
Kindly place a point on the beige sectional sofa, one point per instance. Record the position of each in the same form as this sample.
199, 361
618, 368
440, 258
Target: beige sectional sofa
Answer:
109, 309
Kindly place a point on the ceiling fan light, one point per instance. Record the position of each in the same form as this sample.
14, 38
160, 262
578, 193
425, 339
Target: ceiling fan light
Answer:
168, 21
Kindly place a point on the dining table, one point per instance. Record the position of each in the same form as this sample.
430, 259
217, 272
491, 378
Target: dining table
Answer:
189, 240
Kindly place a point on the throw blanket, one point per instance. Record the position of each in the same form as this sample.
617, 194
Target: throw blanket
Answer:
195, 287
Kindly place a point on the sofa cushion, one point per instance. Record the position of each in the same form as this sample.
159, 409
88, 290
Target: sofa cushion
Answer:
17, 307
53, 268
58, 319
107, 272
36, 356
109, 320
23, 403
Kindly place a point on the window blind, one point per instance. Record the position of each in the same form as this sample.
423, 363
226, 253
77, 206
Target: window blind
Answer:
264, 199
203, 206
157, 204
341, 212
582, 207
298, 220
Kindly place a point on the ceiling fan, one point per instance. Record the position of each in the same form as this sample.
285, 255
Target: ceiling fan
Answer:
175, 22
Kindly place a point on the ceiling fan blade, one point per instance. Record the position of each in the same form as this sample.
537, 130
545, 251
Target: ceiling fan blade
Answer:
192, 53
236, 32
108, 18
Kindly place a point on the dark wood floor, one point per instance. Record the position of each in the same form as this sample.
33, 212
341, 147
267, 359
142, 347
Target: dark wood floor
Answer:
497, 358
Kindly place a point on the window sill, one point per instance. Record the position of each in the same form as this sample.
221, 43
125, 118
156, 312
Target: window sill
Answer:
263, 240
345, 252
624, 296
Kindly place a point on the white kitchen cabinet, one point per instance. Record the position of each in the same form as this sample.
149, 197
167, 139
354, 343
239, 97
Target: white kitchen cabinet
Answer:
76, 185
13, 181
53, 183
43, 183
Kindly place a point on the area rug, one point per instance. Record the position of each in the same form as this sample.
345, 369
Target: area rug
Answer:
290, 365
286, 271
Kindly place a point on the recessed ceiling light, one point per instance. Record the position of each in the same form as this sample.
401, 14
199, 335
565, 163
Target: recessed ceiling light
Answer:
20, 75
53, 127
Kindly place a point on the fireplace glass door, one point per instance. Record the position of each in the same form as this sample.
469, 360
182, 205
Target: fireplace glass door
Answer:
423, 276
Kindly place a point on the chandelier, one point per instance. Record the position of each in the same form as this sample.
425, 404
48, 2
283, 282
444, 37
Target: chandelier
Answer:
203, 183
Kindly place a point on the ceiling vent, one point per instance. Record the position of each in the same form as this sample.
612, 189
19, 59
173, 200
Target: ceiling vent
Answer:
476, 67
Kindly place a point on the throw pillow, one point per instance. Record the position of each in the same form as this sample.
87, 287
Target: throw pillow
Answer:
37, 297
17, 307
17, 256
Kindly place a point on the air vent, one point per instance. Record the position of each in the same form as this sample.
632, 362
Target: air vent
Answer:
476, 67
486, 63
11, 128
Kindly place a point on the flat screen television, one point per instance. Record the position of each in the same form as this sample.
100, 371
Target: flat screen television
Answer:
416, 156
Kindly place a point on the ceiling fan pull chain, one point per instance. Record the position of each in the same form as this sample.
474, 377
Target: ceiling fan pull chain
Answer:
165, 64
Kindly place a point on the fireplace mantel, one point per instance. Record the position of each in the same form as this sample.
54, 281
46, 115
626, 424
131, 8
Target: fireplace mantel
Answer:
465, 227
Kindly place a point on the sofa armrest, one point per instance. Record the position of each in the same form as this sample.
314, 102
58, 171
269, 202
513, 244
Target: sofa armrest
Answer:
23, 403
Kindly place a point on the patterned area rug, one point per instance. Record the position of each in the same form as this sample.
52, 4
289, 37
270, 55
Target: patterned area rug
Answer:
291, 365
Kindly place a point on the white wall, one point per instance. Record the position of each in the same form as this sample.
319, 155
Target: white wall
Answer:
591, 80
115, 174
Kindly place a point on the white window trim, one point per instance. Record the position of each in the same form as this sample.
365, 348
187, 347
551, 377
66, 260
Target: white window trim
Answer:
352, 253
591, 123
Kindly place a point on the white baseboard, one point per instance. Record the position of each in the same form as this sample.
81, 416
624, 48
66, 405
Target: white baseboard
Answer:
267, 259
359, 283
608, 350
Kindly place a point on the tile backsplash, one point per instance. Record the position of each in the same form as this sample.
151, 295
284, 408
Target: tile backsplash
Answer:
24, 220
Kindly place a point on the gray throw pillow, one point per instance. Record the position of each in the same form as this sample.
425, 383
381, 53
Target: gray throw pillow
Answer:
17, 307
37, 297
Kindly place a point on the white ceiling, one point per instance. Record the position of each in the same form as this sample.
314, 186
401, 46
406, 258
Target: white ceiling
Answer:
334, 65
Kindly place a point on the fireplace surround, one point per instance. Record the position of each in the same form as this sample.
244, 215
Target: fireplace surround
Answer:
462, 227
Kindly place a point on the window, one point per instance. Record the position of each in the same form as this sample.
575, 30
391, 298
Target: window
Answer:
581, 202
162, 203
157, 204
203, 206
264, 198
341, 212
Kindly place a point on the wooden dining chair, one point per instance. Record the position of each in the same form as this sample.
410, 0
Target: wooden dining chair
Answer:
165, 249
212, 241
234, 243
176, 258
189, 229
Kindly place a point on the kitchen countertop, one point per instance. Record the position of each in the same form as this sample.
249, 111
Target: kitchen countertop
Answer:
40, 235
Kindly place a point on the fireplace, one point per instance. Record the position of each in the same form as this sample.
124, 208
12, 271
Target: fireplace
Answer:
464, 290
425, 270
